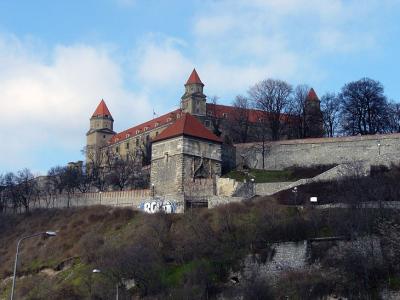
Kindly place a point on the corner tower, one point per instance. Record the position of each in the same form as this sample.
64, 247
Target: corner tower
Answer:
194, 100
314, 126
100, 132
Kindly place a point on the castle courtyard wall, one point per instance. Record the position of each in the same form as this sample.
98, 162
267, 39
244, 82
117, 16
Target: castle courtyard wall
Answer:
372, 150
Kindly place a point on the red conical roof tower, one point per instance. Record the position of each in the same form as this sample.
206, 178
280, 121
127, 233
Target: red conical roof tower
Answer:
102, 110
312, 95
194, 78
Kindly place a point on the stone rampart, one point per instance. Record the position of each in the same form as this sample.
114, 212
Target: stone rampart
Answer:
214, 201
200, 187
270, 188
371, 149
136, 199
116, 198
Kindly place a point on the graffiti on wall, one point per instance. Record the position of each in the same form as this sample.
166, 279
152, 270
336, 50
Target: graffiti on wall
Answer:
152, 206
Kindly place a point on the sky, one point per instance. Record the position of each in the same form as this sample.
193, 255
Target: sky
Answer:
58, 59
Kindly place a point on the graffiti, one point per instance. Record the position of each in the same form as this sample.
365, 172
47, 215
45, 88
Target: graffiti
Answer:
152, 206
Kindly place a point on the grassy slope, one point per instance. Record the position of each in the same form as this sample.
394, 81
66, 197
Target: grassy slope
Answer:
206, 241
175, 251
291, 174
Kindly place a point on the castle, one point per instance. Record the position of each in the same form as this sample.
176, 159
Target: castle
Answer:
194, 141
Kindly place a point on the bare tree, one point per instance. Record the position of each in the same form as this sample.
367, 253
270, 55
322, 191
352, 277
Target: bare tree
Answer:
363, 107
298, 111
272, 97
122, 172
262, 135
11, 191
3, 194
330, 111
394, 117
70, 182
97, 165
27, 188
239, 122
216, 120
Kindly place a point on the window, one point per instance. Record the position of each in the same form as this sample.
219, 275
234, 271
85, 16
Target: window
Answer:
104, 136
127, 135
169, 119
117, 149
207, 123
137, 142
127, 145
225, 115
178, 116
156, 124
137, 131
156, 133
146, 128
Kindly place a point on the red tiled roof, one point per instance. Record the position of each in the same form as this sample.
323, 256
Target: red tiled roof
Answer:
154, 123
194, 78
224, 111
189, 126
102, 110
217, 110
312, 95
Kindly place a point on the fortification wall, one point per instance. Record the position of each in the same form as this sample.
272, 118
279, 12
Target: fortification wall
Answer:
372, 150
136, 199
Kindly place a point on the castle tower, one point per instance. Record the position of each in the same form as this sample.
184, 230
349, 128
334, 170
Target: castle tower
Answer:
100, 132
314, 126
194, 101
184, 151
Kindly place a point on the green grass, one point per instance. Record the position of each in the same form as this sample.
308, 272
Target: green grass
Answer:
287, 175
262, 176
394, 283
174, 275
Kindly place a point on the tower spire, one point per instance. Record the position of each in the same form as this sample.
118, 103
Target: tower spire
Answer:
102, 110
312, 95
193, 100
194, 78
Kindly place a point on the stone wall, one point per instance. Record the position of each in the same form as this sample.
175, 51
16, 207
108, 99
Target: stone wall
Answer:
214, 201
372, 149
177, 161
289, 256
136, 199
117, 198
167, 166
200, 187
270, 188
286, 256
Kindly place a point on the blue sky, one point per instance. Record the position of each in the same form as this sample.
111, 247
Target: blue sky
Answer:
59, 58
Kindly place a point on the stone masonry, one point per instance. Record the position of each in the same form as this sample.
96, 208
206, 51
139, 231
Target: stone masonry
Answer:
176, 161
372, 150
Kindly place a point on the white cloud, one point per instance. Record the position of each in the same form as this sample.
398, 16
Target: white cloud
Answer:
161, 61
236, 43
48, 102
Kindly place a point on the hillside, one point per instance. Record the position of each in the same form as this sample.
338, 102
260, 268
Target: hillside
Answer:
192, 256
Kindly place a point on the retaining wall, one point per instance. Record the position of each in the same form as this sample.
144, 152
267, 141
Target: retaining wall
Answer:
370, 149
136, 199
